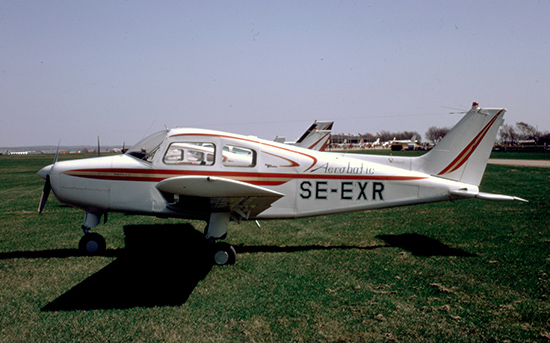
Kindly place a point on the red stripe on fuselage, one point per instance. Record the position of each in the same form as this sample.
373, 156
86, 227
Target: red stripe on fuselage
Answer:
265, 179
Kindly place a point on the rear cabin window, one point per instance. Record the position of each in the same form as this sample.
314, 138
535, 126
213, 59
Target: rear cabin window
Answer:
190, 153
236, 156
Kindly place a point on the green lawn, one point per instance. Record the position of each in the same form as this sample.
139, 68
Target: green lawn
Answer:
467, 271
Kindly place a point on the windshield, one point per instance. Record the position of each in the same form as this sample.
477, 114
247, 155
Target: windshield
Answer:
147, 147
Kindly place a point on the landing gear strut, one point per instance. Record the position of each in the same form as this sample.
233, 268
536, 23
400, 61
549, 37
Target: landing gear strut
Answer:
223, 254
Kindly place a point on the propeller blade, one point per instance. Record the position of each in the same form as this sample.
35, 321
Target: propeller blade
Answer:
45, 174
45, 194
98, 148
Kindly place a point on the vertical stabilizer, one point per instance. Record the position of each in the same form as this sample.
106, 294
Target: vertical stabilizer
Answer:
463, 153
317, 136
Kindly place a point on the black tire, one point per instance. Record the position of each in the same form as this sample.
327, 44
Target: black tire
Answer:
223, 254
92, 244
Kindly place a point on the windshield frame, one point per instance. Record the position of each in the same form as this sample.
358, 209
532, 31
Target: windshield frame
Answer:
146, 148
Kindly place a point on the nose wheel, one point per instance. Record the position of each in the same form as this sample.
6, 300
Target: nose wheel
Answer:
92, 244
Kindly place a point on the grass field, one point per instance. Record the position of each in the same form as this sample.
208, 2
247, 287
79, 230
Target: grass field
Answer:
468, 271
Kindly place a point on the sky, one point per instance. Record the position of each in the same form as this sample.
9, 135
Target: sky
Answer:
121, 70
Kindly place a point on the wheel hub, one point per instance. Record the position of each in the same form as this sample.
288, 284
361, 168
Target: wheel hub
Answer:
92, 246
221, 257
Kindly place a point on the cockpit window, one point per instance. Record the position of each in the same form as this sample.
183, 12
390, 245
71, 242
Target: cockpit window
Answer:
194, 153
235, 156
146, 148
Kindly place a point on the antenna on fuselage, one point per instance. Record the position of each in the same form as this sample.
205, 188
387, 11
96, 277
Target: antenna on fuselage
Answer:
146, 132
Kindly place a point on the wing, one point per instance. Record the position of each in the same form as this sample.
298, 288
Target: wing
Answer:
206, 194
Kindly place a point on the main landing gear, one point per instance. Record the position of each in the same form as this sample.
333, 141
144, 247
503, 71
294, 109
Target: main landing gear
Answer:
221, 253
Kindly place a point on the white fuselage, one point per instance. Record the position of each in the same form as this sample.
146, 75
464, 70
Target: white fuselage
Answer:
313, 183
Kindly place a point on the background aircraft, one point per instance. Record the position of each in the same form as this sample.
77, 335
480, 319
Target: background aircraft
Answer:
316, 137
400, 144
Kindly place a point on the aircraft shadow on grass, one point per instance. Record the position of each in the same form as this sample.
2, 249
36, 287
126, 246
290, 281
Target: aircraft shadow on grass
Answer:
162, 265
420, 245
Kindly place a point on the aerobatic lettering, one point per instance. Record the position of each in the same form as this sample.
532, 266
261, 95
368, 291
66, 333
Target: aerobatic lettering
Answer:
349, 169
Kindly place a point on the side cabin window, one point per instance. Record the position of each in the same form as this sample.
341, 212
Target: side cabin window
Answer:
236, 156
194, 153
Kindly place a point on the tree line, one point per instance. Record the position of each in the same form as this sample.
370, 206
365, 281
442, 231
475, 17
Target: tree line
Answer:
521, 132
507, 134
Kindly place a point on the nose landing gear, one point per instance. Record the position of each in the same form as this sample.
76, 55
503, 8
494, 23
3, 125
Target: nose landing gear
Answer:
92, 244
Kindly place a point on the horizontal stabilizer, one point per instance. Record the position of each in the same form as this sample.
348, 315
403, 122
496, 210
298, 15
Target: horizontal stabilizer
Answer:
468, 194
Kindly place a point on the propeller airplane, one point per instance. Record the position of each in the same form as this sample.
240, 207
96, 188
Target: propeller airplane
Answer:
220, 177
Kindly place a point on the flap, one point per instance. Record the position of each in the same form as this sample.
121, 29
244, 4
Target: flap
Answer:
242, 200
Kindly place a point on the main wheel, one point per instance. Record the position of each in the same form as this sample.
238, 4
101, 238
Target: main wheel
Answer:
92, 244
224, 254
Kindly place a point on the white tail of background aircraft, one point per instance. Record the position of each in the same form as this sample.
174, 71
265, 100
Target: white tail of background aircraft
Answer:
316, 137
